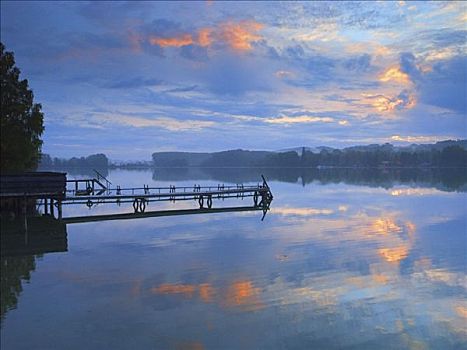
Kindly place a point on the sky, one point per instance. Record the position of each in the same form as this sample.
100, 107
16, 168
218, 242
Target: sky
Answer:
131, 78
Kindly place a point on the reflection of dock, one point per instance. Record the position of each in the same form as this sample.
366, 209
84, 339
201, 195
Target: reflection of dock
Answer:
151, 214
43, 234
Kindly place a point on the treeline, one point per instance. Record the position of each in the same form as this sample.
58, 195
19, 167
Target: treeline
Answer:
95, 161
441, 154
381, 156
441, 178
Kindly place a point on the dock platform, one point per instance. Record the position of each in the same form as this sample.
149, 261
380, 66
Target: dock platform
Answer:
50, 191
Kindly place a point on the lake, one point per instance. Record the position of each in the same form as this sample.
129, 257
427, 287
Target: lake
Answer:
344, 259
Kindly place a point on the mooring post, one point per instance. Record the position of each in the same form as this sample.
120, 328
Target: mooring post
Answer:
52, 207
59, 206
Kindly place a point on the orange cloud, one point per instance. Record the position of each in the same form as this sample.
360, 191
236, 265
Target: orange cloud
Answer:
396, 75
204, 37
462, 311
383, 103
182, 40
237, 35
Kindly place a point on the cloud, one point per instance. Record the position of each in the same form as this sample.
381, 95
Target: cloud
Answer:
227, 75
238, 35
182, 40
167, 123
360, 64
283, 74
298, 119
295, 52
445, 85
135, 83
404, 100
184, 89
194, 52
395, 74
408, 65
416, 139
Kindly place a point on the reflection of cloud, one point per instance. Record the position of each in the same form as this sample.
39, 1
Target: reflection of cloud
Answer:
385, 226
445, 276
241, 293
206, 292
413, 191
190, 346
185, 289
394, 246
394, 254
301, 211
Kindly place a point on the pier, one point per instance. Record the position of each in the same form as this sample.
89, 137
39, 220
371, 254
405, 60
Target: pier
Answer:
51, 191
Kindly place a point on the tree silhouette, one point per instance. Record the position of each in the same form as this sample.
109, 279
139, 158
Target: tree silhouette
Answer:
21, 119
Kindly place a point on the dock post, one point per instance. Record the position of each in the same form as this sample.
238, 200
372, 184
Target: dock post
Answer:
59, 206
52, 207
46, 209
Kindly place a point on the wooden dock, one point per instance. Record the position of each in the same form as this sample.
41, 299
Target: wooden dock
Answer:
50, 191
19, 192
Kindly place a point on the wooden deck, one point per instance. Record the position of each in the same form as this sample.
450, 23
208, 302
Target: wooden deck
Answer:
33, 184
50, 190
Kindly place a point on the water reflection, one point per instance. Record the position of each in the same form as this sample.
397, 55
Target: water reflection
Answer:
333, 266
454, 179
242, 293
21, 245
14, 271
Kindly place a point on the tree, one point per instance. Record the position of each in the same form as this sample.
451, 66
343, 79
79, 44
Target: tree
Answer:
21, 119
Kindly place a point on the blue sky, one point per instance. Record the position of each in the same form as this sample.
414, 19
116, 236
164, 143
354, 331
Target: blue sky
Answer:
128, 79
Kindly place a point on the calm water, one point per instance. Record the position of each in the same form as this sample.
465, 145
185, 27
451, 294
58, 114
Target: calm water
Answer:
342, 260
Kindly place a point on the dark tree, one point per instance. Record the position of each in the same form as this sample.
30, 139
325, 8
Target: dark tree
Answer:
21, 119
